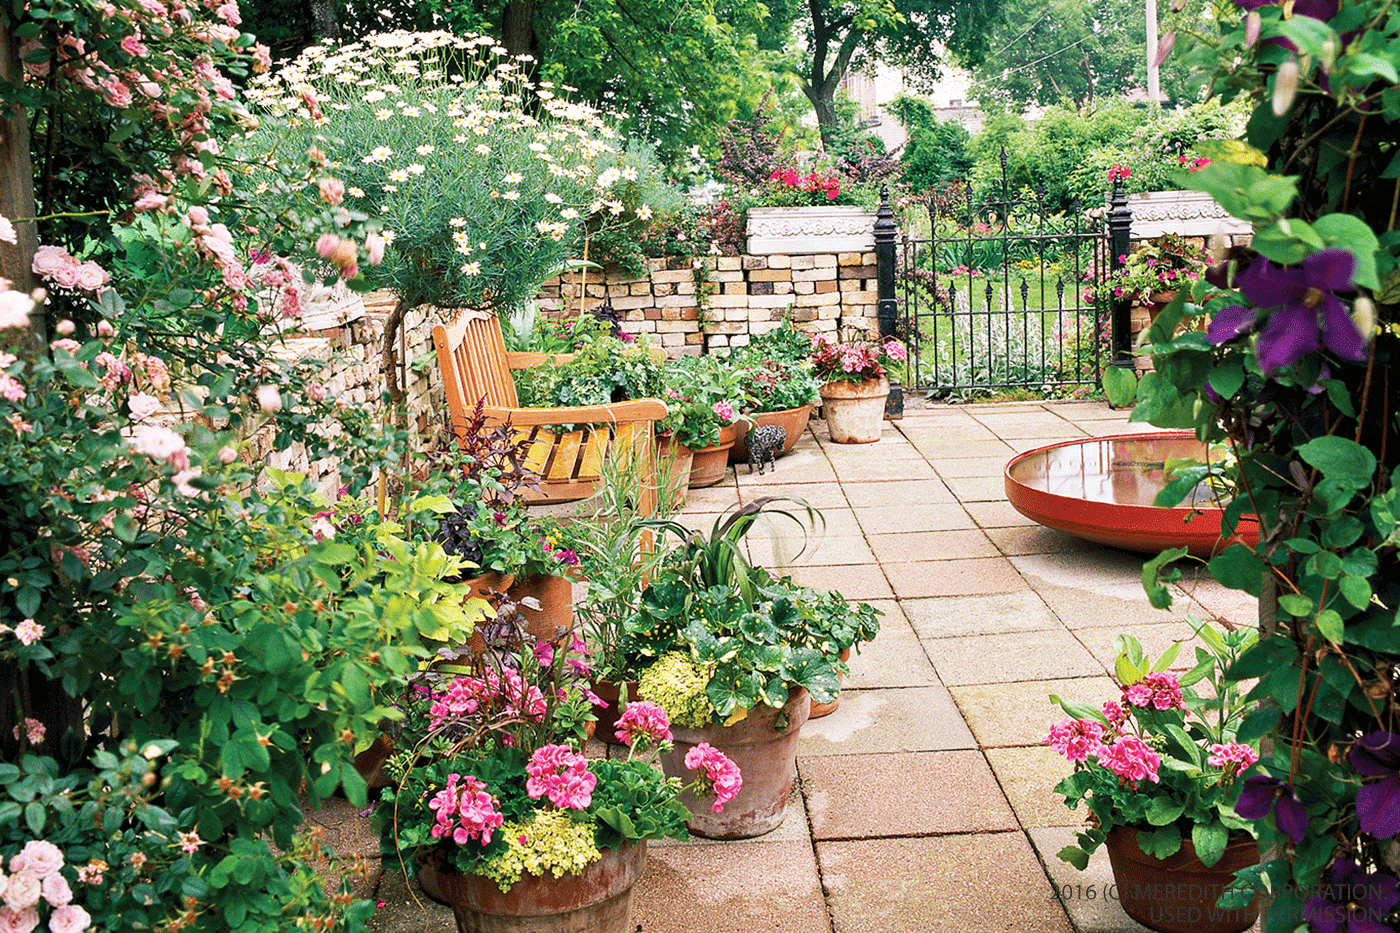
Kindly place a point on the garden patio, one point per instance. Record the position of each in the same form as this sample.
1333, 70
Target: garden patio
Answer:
926, 799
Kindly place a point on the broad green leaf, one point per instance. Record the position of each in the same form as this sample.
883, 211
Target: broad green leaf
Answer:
1162, 811
1356, 591
1239, 568
1340, 459
1296, 604
1120, 385
1330, 624
1168, 656
1155, 574
1160, 843
1074, 856
1079, 710
1351, 233
1210, 840
1287, 242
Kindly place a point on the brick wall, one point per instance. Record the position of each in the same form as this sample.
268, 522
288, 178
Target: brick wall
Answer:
716, 302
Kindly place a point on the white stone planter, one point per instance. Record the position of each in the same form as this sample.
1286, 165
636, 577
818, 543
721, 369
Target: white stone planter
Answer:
843, 229
1187, 213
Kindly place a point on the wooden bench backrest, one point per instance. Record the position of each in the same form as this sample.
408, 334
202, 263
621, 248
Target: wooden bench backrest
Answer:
472, 357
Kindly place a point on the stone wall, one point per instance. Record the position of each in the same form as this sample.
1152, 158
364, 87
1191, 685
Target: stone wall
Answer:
714, 303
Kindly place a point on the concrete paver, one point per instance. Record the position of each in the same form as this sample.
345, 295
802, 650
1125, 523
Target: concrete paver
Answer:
982, 882
914, 794
925, 801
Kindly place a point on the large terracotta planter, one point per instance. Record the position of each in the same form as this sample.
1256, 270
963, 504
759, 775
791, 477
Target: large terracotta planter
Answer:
791, 420
855, 411
556, 598
708, 464
1178, 894
609, 693
826, 709
673, 463
370, 762
764, 746
597, 900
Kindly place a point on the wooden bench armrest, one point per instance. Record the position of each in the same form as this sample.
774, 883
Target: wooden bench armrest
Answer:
642, 409
518, 359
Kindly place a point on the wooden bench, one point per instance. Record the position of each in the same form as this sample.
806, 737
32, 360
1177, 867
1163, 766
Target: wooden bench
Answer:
476, 367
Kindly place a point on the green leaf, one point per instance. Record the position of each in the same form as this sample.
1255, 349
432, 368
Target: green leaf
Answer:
1120, 385
1257, 723
1168, 656
1210, 840
1287, 242
1154, 575
1160, 843
1239, 568
1340, 459
1356, 591
1296, 604
1079, 710
1330, 624
1075, 856
34, 817
1245, 191
1162, 811
1351, 233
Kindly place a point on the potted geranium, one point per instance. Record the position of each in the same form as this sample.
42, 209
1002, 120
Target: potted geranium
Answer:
855, 385
704, 399
781, 388
499, 812
1159, 771
1151, 274
736, 657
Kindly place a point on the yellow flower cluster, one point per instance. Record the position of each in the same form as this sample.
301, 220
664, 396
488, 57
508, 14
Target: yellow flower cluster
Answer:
547, 841
677, 684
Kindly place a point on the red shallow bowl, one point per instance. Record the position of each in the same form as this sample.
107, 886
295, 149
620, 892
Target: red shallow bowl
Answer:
1101, 488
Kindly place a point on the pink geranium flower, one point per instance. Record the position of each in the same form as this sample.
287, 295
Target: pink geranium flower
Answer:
720, 775
1076, 739
561, 774
644, 721
1132, 759
1233, 759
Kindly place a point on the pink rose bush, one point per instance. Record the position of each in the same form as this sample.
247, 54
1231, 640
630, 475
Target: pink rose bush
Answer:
1165, 749
36, 885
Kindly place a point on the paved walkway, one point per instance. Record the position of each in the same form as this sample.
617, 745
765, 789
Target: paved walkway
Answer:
926, 801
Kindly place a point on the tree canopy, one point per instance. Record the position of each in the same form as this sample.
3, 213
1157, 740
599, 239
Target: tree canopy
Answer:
1075, 51
842, 35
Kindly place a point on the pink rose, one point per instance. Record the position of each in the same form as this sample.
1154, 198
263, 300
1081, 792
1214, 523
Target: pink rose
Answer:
142, 406
69, 919
25, 920
49, 259
326, 244
317, 391
91, 276
160, 443
67, 276
269, 399
374, 246
23, 890
14, 310
198, 216
41, 857
55, 890
227, 455
7, 232
28, 632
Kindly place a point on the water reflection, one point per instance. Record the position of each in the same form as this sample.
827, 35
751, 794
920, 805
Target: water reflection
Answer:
1117, 470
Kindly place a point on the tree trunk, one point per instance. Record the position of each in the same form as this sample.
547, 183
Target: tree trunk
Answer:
17, 186
325, 19
518, 28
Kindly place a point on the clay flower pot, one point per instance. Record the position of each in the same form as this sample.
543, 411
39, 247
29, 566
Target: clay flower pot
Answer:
791, 420
855, 411
709, 463
764, 746
597, 900
1177, 894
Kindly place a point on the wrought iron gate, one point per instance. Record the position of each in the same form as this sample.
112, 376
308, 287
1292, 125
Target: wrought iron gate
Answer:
996, 295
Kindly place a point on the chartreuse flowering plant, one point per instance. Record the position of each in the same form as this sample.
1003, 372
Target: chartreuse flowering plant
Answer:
1294, 372
492, 781
1163, 758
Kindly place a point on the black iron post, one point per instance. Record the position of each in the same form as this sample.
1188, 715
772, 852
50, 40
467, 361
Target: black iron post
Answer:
1120, 224
886, 307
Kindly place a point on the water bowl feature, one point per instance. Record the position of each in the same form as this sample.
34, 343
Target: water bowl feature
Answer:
1101, 489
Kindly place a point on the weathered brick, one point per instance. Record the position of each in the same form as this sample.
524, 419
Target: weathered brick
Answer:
782, 288
663, 288
618, 291
676, 301
803, 262
728, 301
824, 286
754, 262
736, 314
801, 315
814, 275
641, 288
673, 276
824, 260
779, 261
627, 304
770, 275
672, 327
760, 288
727, 277
856, 272
770, 301
652, 314
671, 340
739, 340
819, 301
760, 314
736, 288
830, 312
804, 288
727, 263
848, 259
762, 327
686, 288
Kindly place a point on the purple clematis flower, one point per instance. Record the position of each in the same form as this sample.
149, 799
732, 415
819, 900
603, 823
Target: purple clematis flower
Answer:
1262, 794
1322, 10
1308, 314
1352, 901
1378, 804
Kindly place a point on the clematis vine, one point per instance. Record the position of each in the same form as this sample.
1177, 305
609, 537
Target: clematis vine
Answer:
1308, 315
1352, 901
1378, 803
1263, 794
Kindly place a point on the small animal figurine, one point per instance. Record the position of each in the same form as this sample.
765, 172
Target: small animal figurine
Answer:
764, 441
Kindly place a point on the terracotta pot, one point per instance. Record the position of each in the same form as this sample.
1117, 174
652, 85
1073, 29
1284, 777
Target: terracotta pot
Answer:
370, 763
764, 746
855, 412
597, 900
826, 709
791, 420
1178, 894
556, 596
673, 462
708, 464
489, 583
609, 693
